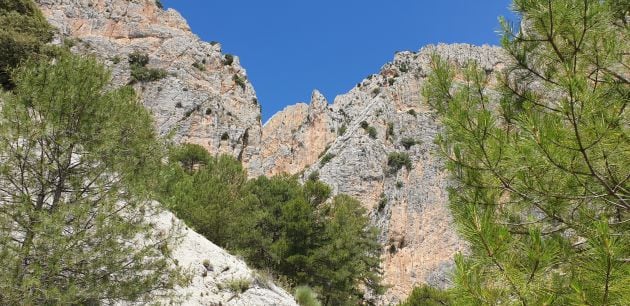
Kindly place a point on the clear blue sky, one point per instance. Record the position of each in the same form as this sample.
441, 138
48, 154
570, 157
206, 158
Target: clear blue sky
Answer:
290, 47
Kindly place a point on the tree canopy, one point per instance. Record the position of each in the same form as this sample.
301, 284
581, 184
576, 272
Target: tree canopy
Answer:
543, 169
77, 158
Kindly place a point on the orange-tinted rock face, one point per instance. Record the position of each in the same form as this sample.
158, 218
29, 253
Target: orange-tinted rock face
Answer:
210, 107
199, 101
294, 138
409, 206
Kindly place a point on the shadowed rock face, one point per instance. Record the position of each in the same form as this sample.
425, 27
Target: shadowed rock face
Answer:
205, 99
213, 104
409, 206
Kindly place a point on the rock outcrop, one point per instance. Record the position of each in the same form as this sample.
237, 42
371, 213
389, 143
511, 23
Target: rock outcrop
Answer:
408, 205
205, 97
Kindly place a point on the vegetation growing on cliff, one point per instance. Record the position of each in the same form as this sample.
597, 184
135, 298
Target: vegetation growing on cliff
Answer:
276, 223
544, 172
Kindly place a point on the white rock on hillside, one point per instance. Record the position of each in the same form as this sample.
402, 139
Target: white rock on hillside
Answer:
209, 284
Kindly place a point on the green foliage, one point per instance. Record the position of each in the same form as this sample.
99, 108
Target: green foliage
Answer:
390, 130
316, 192
237, 285
140, 73
376, 91
159, 4
403, 68
326, 158
313, 176
364, 125
342, 130
199, 66
240, 81
408, 142
276, 223
427, 296
543, 192
349, 255
228, 59
225, 136
305, 296
86, 156
397, 160
204, 191
382, 203
25, 33
371, 132
412, 112
190, 156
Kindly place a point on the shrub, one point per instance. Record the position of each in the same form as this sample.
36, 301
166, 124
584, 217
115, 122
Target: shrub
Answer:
115, 59
364, 124
382, 202
178, 105
144, 74
376, 91
313, 176
390, 130
391, 81
208, 111
228, 59
403, 68
139, 71
305, 296
399, 184
408, 142
237, 285
342, 130
397, 160
428, 296
371, 132
326, 158
225, 136
199, 66
240, 81
412, 112
138, 59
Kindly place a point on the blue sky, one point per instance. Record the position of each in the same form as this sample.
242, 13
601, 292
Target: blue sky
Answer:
290, 47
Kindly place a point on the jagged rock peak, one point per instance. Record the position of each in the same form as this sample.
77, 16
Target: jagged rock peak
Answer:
385, 113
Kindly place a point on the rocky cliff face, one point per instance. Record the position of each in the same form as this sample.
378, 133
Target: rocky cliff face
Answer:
409, 206
205, 97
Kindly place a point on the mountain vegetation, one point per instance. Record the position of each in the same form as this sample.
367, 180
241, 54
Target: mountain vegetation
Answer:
276, 223
543, 193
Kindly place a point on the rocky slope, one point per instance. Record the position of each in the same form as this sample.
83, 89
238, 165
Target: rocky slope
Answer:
213, 271
205, 98
409, 206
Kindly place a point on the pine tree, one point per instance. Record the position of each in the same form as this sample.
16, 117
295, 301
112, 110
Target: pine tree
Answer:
24, 34
543, 170
77, 162
348, 260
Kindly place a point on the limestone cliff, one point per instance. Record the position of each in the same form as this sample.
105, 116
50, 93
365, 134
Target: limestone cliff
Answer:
205, 97
409, 206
